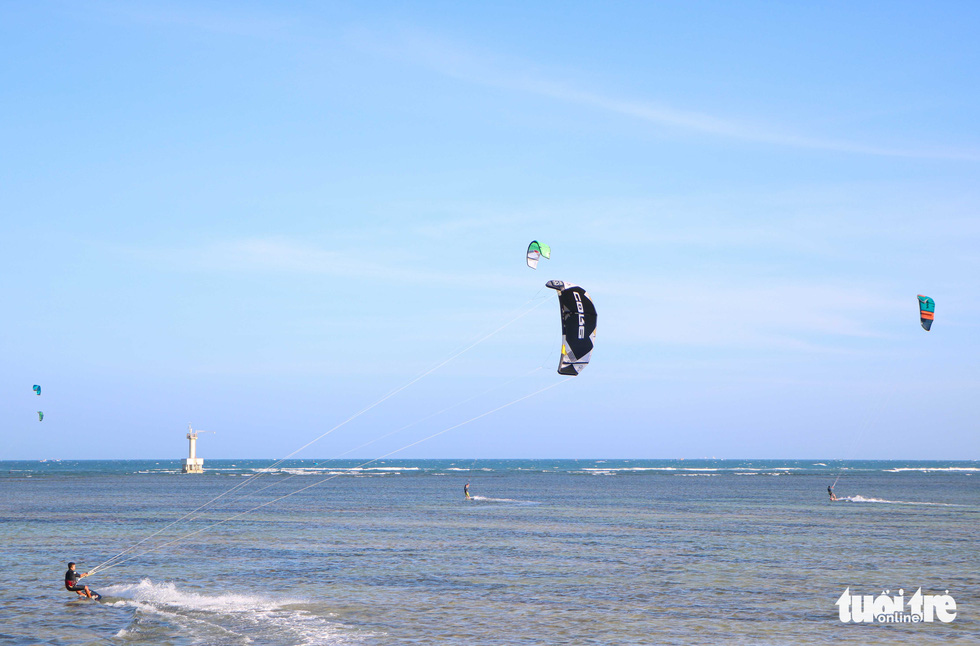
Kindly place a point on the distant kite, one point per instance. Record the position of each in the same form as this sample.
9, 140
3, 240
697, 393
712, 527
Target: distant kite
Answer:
536, 250
37, 390
927, 311
40, 416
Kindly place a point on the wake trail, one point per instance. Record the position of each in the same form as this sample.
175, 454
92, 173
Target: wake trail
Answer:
897, 502
510, 500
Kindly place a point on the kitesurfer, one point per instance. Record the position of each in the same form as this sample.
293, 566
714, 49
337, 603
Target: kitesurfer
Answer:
71, 582
830, 490
466, 491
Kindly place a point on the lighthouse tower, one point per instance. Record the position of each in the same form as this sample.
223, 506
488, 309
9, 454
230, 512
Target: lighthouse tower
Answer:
193, 464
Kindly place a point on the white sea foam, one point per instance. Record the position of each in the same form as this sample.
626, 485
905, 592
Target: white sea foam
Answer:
697, 469
326, 470
167, 594
932, 469
311, 471
629, 468
229, 617
385, 468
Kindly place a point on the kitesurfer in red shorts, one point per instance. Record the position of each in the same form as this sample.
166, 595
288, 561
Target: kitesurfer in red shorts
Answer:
71, 582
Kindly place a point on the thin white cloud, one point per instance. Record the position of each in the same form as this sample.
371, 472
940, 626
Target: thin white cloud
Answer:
254, 254
711, 125
279, 254
457, 62
788, 316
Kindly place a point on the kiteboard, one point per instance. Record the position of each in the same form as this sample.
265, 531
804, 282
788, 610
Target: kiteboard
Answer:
95, 596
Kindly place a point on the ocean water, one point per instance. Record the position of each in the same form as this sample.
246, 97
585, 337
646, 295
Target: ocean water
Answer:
548, 552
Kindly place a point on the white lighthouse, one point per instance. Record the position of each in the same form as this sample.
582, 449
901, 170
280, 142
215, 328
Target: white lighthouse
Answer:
193, 464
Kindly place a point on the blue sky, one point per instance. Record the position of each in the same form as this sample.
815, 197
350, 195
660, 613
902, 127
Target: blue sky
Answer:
261, 218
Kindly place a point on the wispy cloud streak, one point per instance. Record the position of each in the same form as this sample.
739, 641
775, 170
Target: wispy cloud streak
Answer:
277, 254
456, 62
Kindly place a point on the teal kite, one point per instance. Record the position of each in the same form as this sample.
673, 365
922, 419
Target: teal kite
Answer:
927, 311
37, 390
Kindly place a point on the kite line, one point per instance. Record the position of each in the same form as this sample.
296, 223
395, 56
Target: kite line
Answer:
114, 560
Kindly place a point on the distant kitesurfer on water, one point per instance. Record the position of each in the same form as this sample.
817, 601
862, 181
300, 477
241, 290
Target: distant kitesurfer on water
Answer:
466, 491
830, 490
71, 582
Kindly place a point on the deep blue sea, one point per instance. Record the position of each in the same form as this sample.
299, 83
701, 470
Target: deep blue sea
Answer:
548, 551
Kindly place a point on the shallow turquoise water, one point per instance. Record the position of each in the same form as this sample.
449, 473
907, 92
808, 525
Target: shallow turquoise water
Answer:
550, 552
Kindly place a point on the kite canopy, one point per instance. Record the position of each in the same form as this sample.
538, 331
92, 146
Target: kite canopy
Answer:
536, 250
927, 311
37, 389
40, 416
578, 322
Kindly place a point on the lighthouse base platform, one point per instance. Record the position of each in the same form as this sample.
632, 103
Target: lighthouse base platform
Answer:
193, 465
